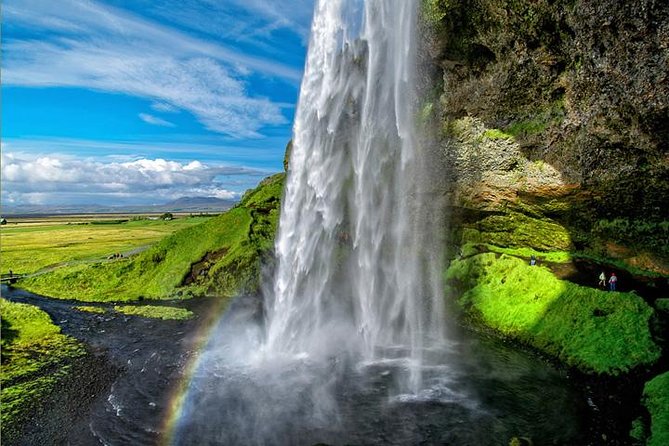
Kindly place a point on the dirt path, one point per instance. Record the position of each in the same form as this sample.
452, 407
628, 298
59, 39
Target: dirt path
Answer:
586, 273
132, 359
50, 268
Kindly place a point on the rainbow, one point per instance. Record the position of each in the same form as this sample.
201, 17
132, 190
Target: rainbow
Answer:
180, 392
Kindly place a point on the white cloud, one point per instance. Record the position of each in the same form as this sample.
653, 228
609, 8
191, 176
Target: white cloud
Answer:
253, 21
54, 178
104, 48
261, 156
154, 120
163, 107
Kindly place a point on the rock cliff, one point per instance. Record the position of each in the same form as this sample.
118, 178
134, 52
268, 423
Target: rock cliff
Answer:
555, 118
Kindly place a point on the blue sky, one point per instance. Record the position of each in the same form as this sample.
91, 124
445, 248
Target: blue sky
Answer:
143, 101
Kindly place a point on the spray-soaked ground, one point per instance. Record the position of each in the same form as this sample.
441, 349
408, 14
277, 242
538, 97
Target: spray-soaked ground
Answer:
236, 396
496, 392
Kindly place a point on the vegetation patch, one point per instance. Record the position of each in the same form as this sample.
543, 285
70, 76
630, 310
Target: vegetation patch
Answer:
155, 312
656, 400
496, 134
27, 248
593, 330
662, 304
550, 256
90, 309
35, 358
434, 11
638, 233
518, 231
153, 273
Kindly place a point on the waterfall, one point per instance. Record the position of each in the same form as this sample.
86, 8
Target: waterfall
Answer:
358, 270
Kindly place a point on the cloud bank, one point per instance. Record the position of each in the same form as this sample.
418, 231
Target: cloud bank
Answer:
59, 179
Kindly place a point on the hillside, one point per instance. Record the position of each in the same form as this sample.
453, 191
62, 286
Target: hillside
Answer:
221, 256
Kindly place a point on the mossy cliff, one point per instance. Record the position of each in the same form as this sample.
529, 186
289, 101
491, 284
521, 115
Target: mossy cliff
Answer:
558, 110
551, 121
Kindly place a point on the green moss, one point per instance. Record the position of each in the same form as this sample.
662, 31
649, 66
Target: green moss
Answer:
527, 127
656, 400
662, 304
434, 11
551, 256
496, 134
35, 358
426, 113
90, 309
638, 431
267, 193
593, 330
286, 156
515, 230
155, 312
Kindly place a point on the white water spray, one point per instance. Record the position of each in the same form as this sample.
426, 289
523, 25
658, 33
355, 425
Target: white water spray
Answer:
358, 272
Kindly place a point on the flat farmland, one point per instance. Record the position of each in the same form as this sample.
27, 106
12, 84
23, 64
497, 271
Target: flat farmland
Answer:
31, 244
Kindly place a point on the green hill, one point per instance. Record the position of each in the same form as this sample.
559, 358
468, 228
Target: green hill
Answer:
221, 256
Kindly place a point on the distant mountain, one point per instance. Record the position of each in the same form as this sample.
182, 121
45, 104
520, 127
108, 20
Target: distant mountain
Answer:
207, 202
183, 204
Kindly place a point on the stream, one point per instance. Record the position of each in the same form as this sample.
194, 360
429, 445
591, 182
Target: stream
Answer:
176, 382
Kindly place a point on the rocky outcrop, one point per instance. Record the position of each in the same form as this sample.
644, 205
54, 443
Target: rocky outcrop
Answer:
558, 112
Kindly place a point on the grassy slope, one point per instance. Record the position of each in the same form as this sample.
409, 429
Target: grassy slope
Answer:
593, 330
241, 235
26, 249
35, 357
656, 399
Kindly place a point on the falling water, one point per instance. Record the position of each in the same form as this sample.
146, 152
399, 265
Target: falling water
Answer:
358, 262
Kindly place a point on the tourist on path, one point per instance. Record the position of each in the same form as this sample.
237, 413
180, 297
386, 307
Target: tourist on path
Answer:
602, 280
612, 282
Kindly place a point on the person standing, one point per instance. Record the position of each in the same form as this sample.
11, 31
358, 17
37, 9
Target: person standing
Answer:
602, 280
613, 280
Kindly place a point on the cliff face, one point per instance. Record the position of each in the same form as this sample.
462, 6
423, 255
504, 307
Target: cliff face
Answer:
555, 118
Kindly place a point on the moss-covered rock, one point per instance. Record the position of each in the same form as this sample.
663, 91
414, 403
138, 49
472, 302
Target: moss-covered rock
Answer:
593, 330
558, 110
656, 400
515, 230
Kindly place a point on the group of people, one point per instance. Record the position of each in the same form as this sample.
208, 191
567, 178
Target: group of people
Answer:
613, 280
116, 255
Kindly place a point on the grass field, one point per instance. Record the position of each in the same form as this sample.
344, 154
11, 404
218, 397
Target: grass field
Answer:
28, 245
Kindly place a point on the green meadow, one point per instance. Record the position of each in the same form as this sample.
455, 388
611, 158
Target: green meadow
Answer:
29, 246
